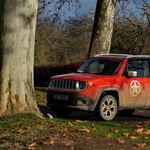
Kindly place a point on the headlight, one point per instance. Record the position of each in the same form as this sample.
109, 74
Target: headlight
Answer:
81, 85
51, 83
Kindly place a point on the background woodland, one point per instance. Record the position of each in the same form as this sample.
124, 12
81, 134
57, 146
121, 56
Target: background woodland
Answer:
62, 45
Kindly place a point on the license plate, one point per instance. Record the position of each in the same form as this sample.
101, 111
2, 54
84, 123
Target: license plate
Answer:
61, 97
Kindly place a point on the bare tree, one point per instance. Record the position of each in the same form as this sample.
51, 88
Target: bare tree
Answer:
56, 8
17, 37
131, 32
103, 27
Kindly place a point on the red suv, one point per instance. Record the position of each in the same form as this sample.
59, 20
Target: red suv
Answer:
105, 84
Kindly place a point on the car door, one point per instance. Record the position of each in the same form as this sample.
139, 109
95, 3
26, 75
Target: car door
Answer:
134, 89
148, 86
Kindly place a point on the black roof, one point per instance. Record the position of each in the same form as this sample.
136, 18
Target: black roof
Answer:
124, 55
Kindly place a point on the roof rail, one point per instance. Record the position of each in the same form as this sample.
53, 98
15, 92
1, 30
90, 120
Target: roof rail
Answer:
115, 55
124, 55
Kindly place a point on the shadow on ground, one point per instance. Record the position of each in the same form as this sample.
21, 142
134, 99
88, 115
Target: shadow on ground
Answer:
137, 116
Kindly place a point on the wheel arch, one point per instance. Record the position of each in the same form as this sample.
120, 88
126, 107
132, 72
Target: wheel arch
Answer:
114, 91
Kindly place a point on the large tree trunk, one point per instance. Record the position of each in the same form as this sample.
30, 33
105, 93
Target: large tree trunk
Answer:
103, 27
17, 37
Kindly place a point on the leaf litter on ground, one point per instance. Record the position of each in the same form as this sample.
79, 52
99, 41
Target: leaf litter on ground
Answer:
133, 132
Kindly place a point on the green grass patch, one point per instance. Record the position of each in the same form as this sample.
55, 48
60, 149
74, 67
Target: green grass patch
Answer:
100, 129
40, 95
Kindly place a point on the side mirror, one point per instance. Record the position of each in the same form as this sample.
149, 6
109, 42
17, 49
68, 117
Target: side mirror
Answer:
132, 74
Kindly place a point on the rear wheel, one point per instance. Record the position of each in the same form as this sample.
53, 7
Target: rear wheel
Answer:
106, 108
126, 112
61, 111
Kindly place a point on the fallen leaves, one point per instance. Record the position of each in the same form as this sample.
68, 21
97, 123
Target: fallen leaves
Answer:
81, 135
27, 128
67, 136
146, 132
114, 130
21, 132
49, 142
40, 101
41, 96
119, 141
1, 141
52, 126
67, 144
83, 130
140, 145
33, 144
39, 122
63, 130
141, 111
31, 148
148, 143
139, 130
133, 137
63, 123
145, 138
128, 135
80, 121
5, 138
88, 138
93, 125
71, 124
108, 135
125, 134
67, 123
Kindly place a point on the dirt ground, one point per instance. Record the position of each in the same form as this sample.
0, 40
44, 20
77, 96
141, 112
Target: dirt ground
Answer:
88, 143
60, 141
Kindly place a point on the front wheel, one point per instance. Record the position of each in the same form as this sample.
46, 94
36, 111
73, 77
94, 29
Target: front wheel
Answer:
61, 112
106, 108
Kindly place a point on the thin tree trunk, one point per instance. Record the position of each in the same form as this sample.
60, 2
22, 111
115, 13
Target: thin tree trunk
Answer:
103, 27
17, 37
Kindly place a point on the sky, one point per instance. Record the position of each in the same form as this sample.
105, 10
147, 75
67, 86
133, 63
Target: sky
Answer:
88, 5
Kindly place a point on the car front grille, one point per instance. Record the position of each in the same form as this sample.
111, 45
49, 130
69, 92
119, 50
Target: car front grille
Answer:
64, 84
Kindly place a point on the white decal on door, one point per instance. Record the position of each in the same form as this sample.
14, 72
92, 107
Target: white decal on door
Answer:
135, 88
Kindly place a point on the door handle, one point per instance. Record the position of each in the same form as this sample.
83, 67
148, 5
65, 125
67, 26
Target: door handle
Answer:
143, 83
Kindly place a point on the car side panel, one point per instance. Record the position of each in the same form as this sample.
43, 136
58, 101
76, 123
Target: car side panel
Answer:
134, 92
148, 93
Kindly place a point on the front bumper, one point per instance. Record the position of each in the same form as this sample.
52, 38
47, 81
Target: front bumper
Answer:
77, 101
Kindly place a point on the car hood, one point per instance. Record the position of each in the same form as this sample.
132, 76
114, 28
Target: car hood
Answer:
79, 76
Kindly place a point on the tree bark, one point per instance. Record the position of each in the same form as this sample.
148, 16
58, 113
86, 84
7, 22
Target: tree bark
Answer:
17, 37
103, 27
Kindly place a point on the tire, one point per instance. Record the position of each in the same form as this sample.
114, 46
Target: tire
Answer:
106, 108
126, 112
61, 112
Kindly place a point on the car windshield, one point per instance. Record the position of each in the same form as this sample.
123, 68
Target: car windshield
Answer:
104, 66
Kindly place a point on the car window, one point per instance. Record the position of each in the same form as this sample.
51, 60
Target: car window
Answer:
135, 65
149, 68
95, 67
104, 66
